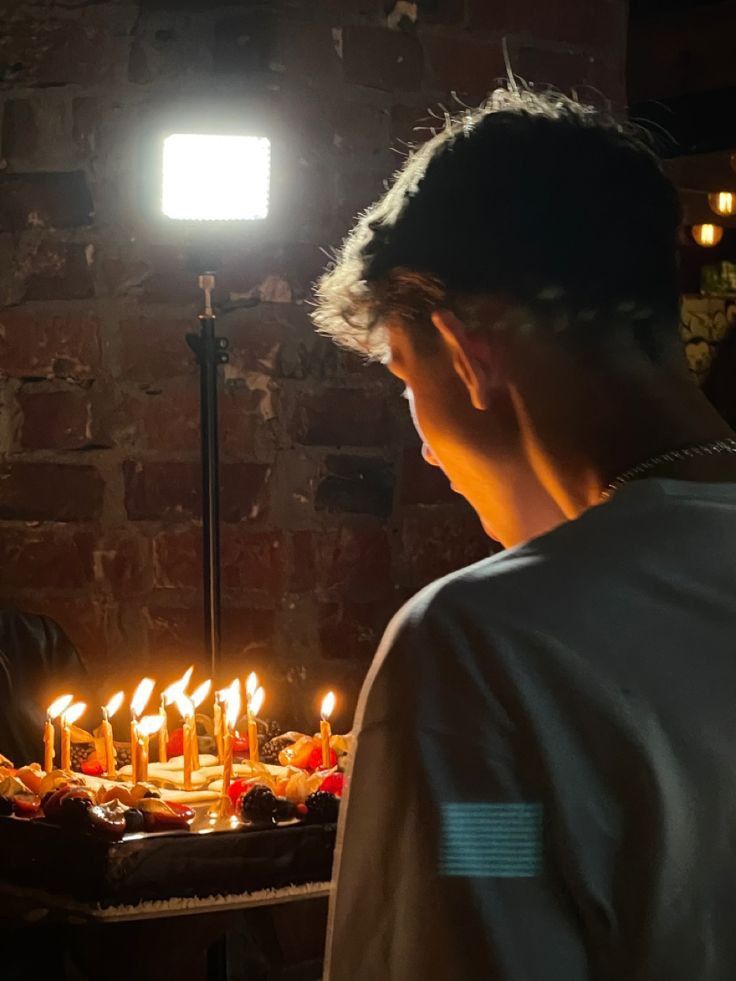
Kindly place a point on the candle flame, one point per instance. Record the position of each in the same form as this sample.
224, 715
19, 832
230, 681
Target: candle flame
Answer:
199, 694
58, 705
150, 724
232, 702
141, 695
74, 712
251, 685
328, 705
114, 704
184, 705
256, 702
181, 685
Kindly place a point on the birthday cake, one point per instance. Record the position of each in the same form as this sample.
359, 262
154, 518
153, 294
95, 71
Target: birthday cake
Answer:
194, 825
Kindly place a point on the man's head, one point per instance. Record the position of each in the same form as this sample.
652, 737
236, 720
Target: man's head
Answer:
531, 234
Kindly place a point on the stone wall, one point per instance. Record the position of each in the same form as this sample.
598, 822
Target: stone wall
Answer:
331, 519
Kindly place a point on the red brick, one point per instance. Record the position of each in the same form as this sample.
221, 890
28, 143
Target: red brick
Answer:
87, 622
465, 65
382, 59
44, 200
568, 71
592, 25
306, 50
172, 491
167, 419
249, 560
302, 577
50, 492
123, 563
352, 630
44, 558
360, 129
61, 420
153, 349
341, 417
44, 345
422, 483
411, 124
45, 49
56, 271
175, 638
433, 545
353, 561
19, 139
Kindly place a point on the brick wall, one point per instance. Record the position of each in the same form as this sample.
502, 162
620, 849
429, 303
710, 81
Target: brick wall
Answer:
330, 517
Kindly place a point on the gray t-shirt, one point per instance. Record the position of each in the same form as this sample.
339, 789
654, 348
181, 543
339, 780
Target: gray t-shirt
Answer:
544, 785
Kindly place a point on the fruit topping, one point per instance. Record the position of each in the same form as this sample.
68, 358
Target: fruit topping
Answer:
322, 808
74, 807
175, 745
134, 821
27, 805
333, 783
285, 809
259, 806
107, 820
271, 749
92, 768
159, 815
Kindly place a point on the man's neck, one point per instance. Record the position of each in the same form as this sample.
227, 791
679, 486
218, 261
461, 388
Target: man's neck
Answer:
606, 422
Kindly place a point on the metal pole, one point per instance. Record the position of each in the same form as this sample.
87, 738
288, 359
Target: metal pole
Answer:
211, 352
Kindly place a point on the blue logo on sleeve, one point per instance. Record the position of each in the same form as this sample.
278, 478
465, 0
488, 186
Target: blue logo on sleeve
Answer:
491, 840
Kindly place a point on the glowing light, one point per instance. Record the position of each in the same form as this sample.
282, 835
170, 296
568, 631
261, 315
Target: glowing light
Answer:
208, 177
184, 705
199, 694
251, 684
256, 702
73, 713
114, 704
58, 705
707, 235
232, 701
723, 202
149, 725
169, 695
328, 705
141, 695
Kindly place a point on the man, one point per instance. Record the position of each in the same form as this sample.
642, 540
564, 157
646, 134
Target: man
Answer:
544, 787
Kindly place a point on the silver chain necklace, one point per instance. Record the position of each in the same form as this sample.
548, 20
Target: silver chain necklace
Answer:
686, 453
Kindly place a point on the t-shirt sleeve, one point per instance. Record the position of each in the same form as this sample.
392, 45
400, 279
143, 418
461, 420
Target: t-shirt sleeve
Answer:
442, 868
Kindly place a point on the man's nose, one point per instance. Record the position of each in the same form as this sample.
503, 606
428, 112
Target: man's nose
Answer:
429, 455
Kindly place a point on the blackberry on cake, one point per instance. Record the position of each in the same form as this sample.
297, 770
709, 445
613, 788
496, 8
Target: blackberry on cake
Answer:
259, 805
270, 750
322, 808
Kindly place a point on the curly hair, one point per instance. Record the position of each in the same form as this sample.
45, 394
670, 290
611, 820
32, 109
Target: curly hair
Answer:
532, 196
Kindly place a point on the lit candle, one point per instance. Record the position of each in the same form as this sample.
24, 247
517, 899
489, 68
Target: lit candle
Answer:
198, 696
217, 722
186, 709
137, 704
255, 706
328, 707
167, 698
52, 712
147, 726
251, 686
107, 713
68, 717
231, 702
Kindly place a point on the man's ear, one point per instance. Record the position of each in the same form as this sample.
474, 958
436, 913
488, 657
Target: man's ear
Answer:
471, 354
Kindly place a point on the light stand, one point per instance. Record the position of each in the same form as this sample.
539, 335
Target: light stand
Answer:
211, 352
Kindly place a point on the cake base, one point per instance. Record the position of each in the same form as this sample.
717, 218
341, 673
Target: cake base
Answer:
163, 865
